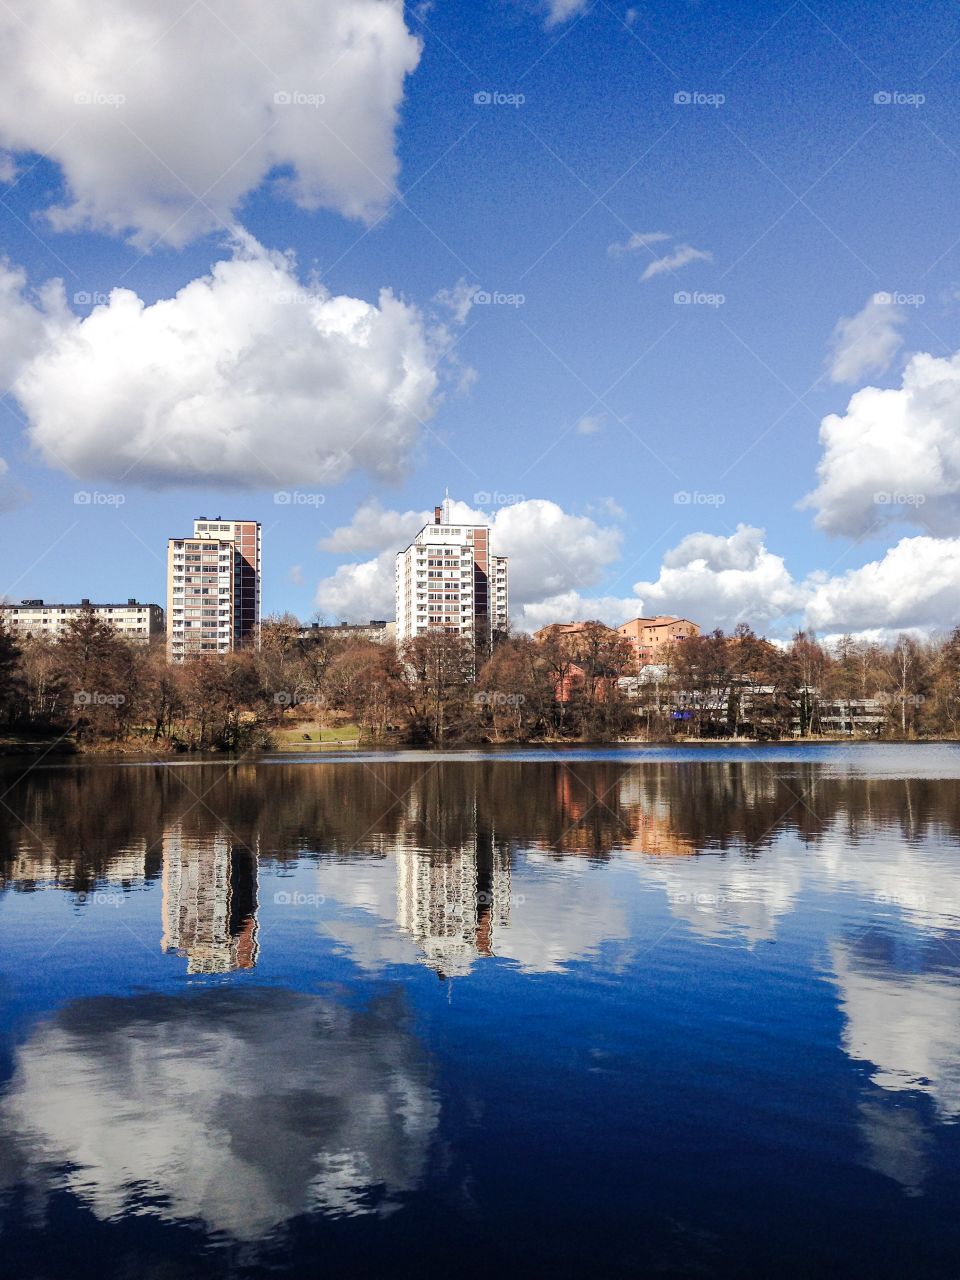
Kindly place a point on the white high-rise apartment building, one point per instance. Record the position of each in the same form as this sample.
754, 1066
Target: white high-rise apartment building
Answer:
213, 588
448, 580
247, 543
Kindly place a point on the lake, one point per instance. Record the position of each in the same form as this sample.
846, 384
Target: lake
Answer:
617, 1012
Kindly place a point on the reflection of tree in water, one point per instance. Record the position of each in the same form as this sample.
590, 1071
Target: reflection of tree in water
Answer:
82, 823
238, 1108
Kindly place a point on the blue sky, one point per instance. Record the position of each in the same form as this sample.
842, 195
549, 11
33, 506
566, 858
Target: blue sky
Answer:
816, 167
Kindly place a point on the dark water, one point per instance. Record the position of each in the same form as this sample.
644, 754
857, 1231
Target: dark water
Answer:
671, 1013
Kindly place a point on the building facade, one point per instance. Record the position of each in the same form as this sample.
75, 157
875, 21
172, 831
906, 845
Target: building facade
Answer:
376, 631
213, 588
654, 639
134, 621
448, 580
246, 536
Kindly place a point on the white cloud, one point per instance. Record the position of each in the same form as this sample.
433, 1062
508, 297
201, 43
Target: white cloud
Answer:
589, 424
295, 575
357, 592
916, 584
550, 550
717, 581
607, 507
8, 168
563, 10
867, 342
245, 377
677, 258
572, 606
25, 320
164, 116
639, 240
894, 455
374, 529
720, 581
458, 300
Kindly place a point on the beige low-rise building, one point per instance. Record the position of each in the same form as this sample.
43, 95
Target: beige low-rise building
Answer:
654, 639
133, 620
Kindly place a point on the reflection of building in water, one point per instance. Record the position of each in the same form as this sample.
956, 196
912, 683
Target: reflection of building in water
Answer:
453, 900
45, 867
209, 902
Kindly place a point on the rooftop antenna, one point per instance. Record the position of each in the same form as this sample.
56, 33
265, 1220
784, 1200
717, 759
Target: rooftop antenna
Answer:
446, 505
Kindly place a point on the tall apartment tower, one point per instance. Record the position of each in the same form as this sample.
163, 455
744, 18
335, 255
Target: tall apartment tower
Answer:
448, 580
246, 538
213, 588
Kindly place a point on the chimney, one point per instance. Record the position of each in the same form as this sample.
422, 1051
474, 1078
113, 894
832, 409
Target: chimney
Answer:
437, 515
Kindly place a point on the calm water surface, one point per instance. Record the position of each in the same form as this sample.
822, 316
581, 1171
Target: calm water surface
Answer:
599, 1013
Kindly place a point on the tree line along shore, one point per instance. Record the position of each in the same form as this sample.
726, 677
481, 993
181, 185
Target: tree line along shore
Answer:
90, 689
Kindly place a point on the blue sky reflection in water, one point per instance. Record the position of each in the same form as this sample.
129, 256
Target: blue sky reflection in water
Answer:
682, 1013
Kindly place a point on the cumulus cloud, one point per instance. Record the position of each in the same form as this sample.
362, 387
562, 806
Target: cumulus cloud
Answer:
867, 342
894, 455
25, 320
589, 424
720, 581
373, 528
678, 257
916, 584
357, 592
550, 550
716, 580
572, 606
163, 117
245, 377
8, 168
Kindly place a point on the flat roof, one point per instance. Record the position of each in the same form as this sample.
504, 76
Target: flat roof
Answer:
80, 604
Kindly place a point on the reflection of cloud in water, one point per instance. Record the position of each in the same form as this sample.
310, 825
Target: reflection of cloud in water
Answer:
563, 908
739, 893
920, 882
563, 912
241, 1109
727, 895
898, 1145
547, 914
906, 1024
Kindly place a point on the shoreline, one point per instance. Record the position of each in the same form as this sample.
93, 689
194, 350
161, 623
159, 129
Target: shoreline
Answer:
67, 750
